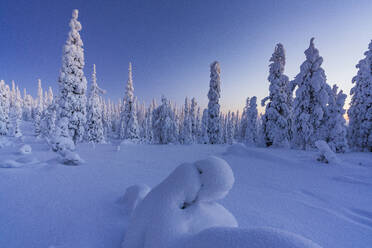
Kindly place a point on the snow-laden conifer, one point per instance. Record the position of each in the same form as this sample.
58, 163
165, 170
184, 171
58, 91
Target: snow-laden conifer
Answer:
360, 111
16, 114
72, 82
164, 126
250, 137
94, 128
214, 127
38, 111
311, 100
129, 128
4, 108
335, 127
276, 120
186, 133
204, 138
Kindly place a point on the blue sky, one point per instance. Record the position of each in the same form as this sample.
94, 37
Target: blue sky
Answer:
171, 43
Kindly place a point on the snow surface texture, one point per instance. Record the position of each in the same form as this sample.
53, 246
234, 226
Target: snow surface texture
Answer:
46, 204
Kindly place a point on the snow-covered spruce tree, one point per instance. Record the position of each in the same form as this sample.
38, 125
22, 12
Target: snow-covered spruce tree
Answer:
244, 120
4, 108
148, 125
335, 128
27, 106
360, 111
38, 111
16, 114
251, 130
311, 100
186, 133
236, 126
129, 128
164, 126
94, 127
72, 82
197, 126
276, 120
230, 128
193, 118
214, 127
204, 138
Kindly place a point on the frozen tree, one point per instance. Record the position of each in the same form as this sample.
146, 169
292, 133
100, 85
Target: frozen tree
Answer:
236, 126
214, 128
38, 111
94, 128
335, 127
72, 82
204, 138
129, 128
164, 126
360, 111
27, 106
197, 126
193, 118
311, 100
251, 129
229, 125
276, 120
4, 108
186, 133
16, 114
148, 125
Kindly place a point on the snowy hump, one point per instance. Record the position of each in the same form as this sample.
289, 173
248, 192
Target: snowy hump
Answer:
182, 205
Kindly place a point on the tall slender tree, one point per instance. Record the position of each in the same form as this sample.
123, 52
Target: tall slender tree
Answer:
129, 123
72, 83
276, 120
214, 126
94, 128
311, 100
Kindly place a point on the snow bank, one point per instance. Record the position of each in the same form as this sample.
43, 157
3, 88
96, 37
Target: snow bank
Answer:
183, 204
223, 237
326, 154
133, 196
25, 149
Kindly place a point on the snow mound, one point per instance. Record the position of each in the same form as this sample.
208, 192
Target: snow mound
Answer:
183, 204
222, 237
71, 158
4, 142
133, 196
10, 163
25, 149
326, 154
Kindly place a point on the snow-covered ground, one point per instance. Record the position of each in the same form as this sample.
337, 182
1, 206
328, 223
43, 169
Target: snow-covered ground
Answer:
46, 204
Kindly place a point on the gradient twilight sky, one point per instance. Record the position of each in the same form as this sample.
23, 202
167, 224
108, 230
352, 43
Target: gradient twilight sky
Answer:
172, 42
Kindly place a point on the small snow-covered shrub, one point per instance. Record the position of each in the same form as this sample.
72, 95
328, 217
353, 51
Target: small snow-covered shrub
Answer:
133, 196
25, 149
183, 204
326, 154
